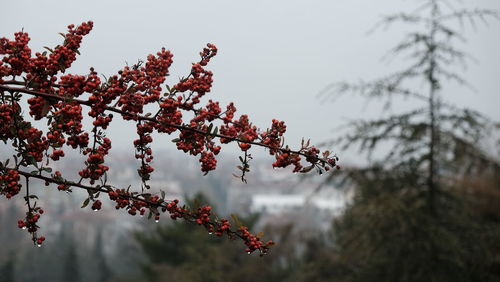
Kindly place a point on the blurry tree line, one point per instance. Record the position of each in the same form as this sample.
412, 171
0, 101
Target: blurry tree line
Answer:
63, 259
167, 251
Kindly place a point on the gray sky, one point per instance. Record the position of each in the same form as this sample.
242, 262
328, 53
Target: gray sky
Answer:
274, 56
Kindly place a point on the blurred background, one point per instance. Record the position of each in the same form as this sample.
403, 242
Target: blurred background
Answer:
388, 215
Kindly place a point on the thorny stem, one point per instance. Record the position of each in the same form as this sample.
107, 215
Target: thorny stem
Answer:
98, 188
28, 202
152, 119
143, 163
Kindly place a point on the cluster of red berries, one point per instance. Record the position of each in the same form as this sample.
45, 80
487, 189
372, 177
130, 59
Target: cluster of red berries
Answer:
32, 228
7, 115
286, 159
74, 85
169, 114
312, 154
39, 107
30, 223
55, 138
145, 83
42, 70
30, 140
56, 154
76, 141
200, 80
9, 182
64, 55
126, 200
19, 55
143, 149
56, 98
108, 92
222, 227
94, 164
68, 117
21, 224
174, 210
139, 85
208, 161
97, 205
253, 242
203, 215
241, 129
121, 202
272, 137
40, 240
207, 53
196, 143
209, 113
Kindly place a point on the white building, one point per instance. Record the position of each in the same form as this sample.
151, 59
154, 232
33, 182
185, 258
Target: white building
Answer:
274, 204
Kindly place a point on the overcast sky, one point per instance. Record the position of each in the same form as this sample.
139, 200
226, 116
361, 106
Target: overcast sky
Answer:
274, 56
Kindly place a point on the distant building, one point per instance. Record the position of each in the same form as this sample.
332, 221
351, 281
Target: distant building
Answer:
274, 204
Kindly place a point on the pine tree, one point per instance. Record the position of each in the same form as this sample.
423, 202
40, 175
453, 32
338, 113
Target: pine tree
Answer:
436, 138
408, 222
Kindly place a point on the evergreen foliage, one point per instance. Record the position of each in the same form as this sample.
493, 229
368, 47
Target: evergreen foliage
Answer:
182, 252
410, 219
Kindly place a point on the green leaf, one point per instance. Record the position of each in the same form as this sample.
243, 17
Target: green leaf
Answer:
236, 220
307, 169
50, 50
32, 160
210, 128
85, 203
